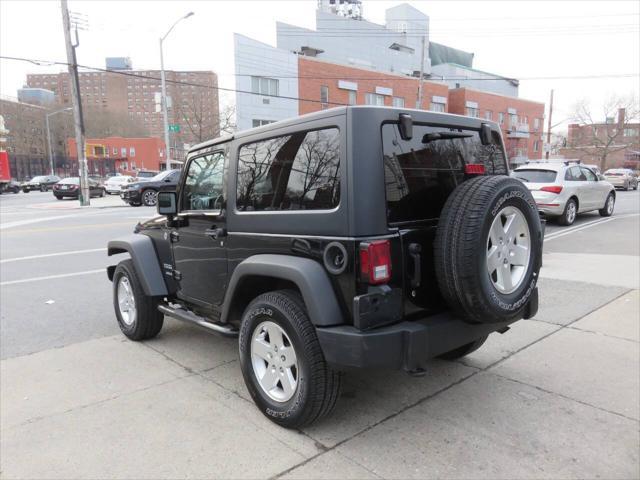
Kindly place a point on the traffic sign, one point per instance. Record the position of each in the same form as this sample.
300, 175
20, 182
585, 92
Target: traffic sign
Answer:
174, 128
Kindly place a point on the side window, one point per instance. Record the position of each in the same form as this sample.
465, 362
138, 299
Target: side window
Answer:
589, 175
293, 172
203, 186
572, 175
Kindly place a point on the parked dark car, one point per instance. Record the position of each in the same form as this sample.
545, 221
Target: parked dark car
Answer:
42, 183
70, 187
146, 192
354, 237
10, 187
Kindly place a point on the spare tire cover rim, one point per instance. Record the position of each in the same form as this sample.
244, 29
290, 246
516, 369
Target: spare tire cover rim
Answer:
508, 250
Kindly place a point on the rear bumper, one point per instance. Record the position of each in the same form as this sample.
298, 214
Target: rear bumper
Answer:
405, 345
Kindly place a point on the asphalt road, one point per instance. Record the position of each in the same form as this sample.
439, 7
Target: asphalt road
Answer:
554, 397
55, 292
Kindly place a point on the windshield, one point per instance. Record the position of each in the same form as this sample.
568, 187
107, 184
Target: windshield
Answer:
118, 179
536, 175
39, 179
70, 181
421, 173
147, 174
162, 175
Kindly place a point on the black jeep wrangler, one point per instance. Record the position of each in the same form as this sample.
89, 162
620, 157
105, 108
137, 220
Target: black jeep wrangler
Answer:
352, 237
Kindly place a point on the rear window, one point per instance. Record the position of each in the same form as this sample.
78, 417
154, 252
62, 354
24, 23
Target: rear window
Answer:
536, 175
420, 176
300, 171
71, 181
615, 173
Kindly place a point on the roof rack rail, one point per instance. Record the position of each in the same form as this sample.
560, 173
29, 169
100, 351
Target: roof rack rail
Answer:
567, 162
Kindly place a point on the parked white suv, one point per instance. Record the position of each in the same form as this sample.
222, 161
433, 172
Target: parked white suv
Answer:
563, 190
622, 178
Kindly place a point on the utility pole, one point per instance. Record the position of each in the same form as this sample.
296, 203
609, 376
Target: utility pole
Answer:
77, 105
419, 101
549, 126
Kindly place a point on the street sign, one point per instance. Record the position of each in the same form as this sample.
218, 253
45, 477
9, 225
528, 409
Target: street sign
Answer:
174, 128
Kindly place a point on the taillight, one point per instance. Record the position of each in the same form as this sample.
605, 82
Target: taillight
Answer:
474, 169
552, 189
375, 262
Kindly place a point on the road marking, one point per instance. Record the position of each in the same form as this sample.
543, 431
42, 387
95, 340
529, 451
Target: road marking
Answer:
587, 225
47, 255
20, 223
52, 277
70, 227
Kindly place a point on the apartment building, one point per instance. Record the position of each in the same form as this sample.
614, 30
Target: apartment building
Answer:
615, 139
193, 98
25, 138
127, 156
521, 120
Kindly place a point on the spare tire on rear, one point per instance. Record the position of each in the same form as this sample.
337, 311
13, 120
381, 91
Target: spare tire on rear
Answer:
488, 249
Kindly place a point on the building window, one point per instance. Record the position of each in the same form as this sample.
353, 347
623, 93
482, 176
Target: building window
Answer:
123, 151
353, 97
536, 123
115, 150
132, 153
324, 96
258, 123
124, 166
631, 132
397, 102
472, 112
264, 86
438, 107
536, 145
513, 120
374, 99
133, 165
488, 115
501, 118
299, 171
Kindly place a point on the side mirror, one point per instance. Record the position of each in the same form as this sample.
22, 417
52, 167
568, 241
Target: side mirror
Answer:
485, 134
167, 203
405, 126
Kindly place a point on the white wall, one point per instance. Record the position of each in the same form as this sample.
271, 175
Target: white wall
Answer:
262, 60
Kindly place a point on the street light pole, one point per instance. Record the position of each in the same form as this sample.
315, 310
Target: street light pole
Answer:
165, 115
49, 136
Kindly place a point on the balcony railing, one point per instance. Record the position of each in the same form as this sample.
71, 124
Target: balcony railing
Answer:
519, 130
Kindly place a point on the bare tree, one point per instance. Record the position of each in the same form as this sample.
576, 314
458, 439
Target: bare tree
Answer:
605, 132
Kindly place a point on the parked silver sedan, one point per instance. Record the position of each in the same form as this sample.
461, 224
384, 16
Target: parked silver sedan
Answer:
563, 190
622, 178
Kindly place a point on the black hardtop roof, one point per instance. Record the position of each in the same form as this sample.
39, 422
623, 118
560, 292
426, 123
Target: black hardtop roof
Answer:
386, 113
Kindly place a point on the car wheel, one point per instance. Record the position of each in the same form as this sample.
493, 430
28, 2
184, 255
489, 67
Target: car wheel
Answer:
137, 313
25, 190
488, 249
609, 205
149, 197
465, 349
282, 362
43, 188
570, 213
135, 204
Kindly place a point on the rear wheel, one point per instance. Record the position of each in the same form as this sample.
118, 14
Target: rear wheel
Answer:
282, 362
137, 314
149, 197
609, 205
43, 188
570, 213
488, 249
465, 349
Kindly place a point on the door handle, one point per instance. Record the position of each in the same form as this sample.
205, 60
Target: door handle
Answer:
216, 233
414, 250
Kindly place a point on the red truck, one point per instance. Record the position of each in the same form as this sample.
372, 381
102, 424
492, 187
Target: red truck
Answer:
6, 184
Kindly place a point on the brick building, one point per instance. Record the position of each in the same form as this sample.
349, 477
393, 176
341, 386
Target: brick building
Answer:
25, 139
360, 86
193, 96
108, 156
521, 120
617, 138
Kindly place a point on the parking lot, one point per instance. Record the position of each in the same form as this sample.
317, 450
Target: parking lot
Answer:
557, 396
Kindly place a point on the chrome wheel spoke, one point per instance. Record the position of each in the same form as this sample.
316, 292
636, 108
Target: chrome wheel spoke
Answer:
496, 233
270, 379
507, 283
288, 382
262, 349
288, 357
275, 336
493, 260
519, 255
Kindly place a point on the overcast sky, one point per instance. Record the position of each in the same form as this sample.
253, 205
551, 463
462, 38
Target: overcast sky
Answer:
525, 40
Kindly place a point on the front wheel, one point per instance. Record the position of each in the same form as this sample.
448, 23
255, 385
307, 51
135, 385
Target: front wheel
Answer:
137, 314
43, 188
570, 213
282, 362
609, 205
149, 197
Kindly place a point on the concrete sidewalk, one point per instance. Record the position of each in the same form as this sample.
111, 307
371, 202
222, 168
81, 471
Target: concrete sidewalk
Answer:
557, 397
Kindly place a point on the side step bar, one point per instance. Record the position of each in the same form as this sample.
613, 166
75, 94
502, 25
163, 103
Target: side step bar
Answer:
190, 317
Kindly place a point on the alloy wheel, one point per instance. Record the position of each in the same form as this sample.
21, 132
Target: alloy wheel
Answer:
508, 250
150, 197
274, 361
126, 301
